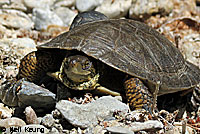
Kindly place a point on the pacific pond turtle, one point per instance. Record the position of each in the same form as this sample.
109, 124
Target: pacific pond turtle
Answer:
120, 55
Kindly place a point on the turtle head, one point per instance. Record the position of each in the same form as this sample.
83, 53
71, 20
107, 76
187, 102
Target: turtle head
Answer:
78, 68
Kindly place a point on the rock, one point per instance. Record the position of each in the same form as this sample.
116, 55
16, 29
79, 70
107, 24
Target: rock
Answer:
8, 122
86, 5
28, 94
2, 2
35, 96
177, 129
48, 120
38, 3
64, 3
91, 112
39, 120
54, 131
139, 115
66, 15
95, 130
191, 48
13, 49
31, 117
119, 130
144, 9
5, 112
44, 17
23, 46
58, 127
15, 4
150, 125
15, 19
114, 9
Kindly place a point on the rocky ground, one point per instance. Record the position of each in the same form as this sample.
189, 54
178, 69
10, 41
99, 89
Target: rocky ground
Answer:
24, 24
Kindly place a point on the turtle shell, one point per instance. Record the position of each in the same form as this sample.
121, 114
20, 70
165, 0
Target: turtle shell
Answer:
133, 48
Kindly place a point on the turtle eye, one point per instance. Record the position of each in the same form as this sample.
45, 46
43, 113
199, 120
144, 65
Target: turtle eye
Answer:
73, 62
86, 65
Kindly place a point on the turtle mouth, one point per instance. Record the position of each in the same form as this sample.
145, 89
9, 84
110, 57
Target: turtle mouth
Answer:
79, 77
88, 85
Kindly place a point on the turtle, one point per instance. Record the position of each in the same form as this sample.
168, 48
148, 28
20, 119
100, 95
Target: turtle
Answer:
116, 56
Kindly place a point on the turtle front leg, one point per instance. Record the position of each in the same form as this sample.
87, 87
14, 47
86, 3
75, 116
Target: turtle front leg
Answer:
137, 95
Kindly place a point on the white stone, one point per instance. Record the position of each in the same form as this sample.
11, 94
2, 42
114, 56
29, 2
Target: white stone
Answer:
21, 46
115, 9
191, 48
15, 4
38, 3
86, 5
91, 112
44, 17
5, 111
66, 15
15, 19
145, 8
14, 121
64, 3
4, 2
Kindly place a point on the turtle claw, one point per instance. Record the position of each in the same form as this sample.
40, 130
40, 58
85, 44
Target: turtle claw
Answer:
8, 92
148, 109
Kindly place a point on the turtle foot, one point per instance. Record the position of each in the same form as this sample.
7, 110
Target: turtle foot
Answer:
137, 95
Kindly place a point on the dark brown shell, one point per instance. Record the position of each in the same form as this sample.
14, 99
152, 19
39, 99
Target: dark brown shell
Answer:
134, 48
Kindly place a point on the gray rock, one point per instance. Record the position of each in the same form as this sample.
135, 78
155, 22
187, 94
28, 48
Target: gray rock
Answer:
44, 17
48, 120
191, 48
8, 122
15, 19
90, 113
20, 46
119, 130
66, 15
29, 94
54, 131
115, 9
145, 8
86, 5
2, 2
35, 96
64, 3
31, 117
23, 46
5, 111
39, 120
95, 130
15, 4
38, 3
150, 125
